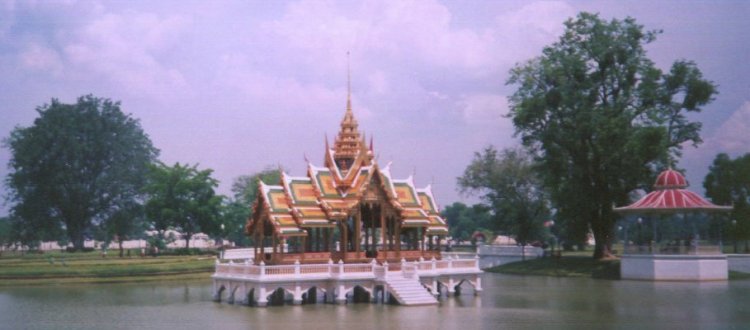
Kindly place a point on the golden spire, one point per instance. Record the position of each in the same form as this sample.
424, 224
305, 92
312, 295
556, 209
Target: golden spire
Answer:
348, 85
347, 144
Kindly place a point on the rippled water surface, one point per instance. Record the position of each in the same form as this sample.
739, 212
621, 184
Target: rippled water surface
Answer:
507, 302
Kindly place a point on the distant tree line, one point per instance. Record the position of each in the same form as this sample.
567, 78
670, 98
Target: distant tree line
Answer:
728, 183
88, 170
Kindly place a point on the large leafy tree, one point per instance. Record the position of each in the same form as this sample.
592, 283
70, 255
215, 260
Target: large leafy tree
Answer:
183, 197
74, 166
728, 183
508, 184
601, 118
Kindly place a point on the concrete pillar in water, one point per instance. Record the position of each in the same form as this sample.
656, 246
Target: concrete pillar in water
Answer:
341, 295
297, 300
478, 286
262, 297
451, 286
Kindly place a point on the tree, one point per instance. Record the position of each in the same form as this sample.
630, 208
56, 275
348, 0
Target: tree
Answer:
125, 223
183, 196
74, 165
234, 218
237, 210
728, 183
5, 233
601, 118
245, 187
463, 220
513, 190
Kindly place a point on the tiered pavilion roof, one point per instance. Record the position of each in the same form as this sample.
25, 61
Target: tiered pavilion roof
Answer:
332, 194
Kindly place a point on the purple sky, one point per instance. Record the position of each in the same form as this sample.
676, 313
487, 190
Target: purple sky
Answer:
238, 86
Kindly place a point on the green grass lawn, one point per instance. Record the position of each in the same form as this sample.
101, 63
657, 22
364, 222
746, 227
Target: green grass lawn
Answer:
91, 267
567, 266
576, 266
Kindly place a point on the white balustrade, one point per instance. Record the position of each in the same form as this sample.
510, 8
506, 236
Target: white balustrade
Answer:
297, 270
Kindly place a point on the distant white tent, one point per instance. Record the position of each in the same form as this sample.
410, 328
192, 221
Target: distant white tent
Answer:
504, 240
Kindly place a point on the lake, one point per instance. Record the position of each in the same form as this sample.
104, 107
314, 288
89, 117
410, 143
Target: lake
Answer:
507, 302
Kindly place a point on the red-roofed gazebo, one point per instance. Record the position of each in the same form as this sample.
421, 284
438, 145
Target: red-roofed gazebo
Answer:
670, 196
680, 258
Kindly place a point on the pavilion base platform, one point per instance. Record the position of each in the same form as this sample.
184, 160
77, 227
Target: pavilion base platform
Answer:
407, 283
739, 262
670, 267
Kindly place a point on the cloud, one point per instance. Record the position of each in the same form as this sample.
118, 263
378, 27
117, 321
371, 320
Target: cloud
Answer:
418, 31
7, 17
485, 114
287, 96
485, 109
733, 137
378, 83
520, 34
40, 58
130, 50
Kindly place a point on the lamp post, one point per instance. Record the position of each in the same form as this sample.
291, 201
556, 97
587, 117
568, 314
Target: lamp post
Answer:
721, 242
551, 225
222, 235
627, 242
734, 234
640, 233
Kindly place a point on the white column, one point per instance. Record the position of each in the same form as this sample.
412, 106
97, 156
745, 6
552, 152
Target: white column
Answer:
232, 289
262, 296
341, 294
451, 286
242, 292
297, 300
478, 285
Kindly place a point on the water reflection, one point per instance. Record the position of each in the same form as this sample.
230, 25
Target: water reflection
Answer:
508, 301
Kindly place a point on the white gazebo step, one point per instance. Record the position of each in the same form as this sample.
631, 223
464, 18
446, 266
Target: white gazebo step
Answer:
408, 291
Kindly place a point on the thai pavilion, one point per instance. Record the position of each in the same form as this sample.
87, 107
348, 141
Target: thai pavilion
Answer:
350, 209
343, 231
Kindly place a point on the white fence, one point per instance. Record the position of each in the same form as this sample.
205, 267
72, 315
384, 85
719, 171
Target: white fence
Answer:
341, 270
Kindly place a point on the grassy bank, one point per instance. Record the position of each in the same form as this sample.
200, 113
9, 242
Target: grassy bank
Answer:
568, 266
576, 266
60, 268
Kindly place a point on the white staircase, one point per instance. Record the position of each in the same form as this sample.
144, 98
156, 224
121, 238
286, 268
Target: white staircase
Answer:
408, 291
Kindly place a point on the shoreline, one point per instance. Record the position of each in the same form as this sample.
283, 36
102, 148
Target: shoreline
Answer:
56, 269
88, 269
145, 278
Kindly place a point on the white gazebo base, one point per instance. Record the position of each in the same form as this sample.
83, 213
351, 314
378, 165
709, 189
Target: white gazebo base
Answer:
669, 267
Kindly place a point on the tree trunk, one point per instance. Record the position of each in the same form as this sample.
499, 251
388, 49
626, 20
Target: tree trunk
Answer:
187, 240
603, 240
77, 239
121, 251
